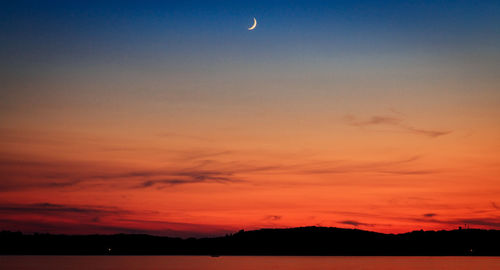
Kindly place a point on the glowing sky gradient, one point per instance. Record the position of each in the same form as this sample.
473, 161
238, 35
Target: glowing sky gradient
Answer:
171, 118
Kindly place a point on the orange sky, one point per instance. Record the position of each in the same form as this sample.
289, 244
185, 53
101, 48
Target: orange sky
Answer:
176, 120
387, 171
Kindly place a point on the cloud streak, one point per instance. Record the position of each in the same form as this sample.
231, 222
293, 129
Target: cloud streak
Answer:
272, 217
491, 222
394, 122
23, 173
90, 219
390, 167
35, 174
56, 209
355, 223
183, 230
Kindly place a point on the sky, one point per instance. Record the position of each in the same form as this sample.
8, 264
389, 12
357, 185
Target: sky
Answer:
172, 118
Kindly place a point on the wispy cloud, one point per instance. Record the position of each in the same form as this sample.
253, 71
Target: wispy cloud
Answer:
56, 209
25, 173
396, 166
409, 172
15, 185
491, 222
394, 122
181, 228
196, 178
374, 120
272, 217
355, 223
170, 229
30, 174
55, 215
90, 219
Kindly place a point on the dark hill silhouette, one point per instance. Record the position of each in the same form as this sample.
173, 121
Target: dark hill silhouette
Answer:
293, 241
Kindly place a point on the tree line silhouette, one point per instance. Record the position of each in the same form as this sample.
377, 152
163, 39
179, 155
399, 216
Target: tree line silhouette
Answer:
303, 241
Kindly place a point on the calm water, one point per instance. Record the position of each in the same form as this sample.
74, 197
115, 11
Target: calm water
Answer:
246, 263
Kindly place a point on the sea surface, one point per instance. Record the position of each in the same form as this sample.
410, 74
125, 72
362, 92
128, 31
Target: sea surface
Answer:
246, 263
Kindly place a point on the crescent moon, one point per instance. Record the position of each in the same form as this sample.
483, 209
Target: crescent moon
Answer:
254, 24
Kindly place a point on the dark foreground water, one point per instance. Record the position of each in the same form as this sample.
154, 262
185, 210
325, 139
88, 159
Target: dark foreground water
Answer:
246, 263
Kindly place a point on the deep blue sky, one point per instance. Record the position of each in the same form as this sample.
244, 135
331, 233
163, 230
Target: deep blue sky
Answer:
43, 30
